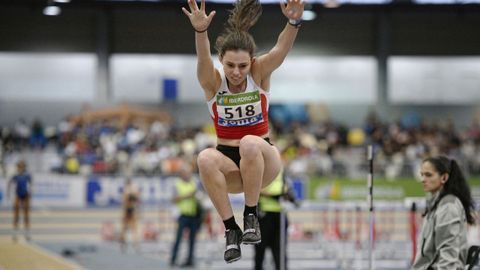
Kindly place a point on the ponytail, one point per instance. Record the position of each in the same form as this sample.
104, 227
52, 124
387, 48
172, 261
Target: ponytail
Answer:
236, 37
461, 190
243, 16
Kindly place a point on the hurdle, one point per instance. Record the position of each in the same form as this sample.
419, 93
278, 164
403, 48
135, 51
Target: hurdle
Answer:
283, 220
370, 205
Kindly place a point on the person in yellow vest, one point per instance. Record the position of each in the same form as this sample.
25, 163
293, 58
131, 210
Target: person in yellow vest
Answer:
270, 222
184, 197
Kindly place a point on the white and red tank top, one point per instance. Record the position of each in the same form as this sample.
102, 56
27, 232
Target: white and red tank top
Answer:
237, 115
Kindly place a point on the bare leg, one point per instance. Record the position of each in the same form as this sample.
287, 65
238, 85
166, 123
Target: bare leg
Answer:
133, 227
219, 177
16, 213
16, 217
123, 244
26, 217
260, 164
251, 168
124, 230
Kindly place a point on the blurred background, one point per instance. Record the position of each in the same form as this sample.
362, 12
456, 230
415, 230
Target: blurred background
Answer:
96, 91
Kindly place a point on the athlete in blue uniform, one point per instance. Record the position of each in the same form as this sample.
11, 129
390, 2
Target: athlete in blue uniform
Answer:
23, 191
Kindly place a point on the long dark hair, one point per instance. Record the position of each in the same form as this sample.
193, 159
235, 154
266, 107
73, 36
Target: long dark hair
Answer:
236, 37
456, 184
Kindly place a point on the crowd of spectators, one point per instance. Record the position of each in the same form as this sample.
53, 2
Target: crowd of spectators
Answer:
321, 148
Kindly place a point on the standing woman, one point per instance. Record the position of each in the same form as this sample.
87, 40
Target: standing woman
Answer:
238, 97
443, 243
23, 193
130, 205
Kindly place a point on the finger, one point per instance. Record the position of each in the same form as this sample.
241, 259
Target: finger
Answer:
190, 5
202, 5
282, 6
195, 4
186, 12
210, 16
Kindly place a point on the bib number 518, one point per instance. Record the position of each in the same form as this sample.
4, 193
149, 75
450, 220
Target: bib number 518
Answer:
248, 110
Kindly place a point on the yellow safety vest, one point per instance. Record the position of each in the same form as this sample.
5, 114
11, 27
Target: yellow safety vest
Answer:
187, 207
267, 203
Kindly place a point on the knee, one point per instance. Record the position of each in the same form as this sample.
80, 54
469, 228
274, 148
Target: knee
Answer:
250, 146
207, 160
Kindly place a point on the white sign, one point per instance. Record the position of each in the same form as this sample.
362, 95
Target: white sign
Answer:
434, 80
49, 190
48, 76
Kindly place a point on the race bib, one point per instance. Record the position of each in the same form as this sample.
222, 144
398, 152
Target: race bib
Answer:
236, 110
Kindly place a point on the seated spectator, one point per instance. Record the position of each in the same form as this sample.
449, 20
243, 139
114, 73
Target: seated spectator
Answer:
72, 166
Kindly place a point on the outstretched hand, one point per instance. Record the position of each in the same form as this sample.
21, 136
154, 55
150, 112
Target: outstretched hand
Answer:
198, 17
293, 9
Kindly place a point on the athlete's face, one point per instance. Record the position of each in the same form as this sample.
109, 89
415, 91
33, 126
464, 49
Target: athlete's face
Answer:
236, 65
431, 179
21, 167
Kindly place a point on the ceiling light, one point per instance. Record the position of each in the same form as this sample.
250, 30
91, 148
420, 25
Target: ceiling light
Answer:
309, 15
51, 11
61, 1
331, 4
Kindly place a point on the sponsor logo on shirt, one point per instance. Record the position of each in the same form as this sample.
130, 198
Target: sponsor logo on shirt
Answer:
238, 99
241, 122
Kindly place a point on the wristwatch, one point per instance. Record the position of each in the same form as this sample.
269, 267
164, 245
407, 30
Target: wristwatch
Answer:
295, 23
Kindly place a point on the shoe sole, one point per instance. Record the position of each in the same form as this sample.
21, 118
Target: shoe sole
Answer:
251, 242
234, 259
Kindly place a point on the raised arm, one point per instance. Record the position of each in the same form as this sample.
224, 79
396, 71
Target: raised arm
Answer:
206, 73
270, 61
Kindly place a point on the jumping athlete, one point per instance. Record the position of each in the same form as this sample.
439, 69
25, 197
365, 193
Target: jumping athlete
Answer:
238, 98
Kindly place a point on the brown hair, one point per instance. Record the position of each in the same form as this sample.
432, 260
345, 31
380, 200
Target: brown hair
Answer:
236, 37
456, 185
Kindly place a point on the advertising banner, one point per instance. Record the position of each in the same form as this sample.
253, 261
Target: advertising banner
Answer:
49, 190
107, 191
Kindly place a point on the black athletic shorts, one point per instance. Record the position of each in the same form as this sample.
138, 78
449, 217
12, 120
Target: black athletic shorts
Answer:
233, 152
23, 197
129, 212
